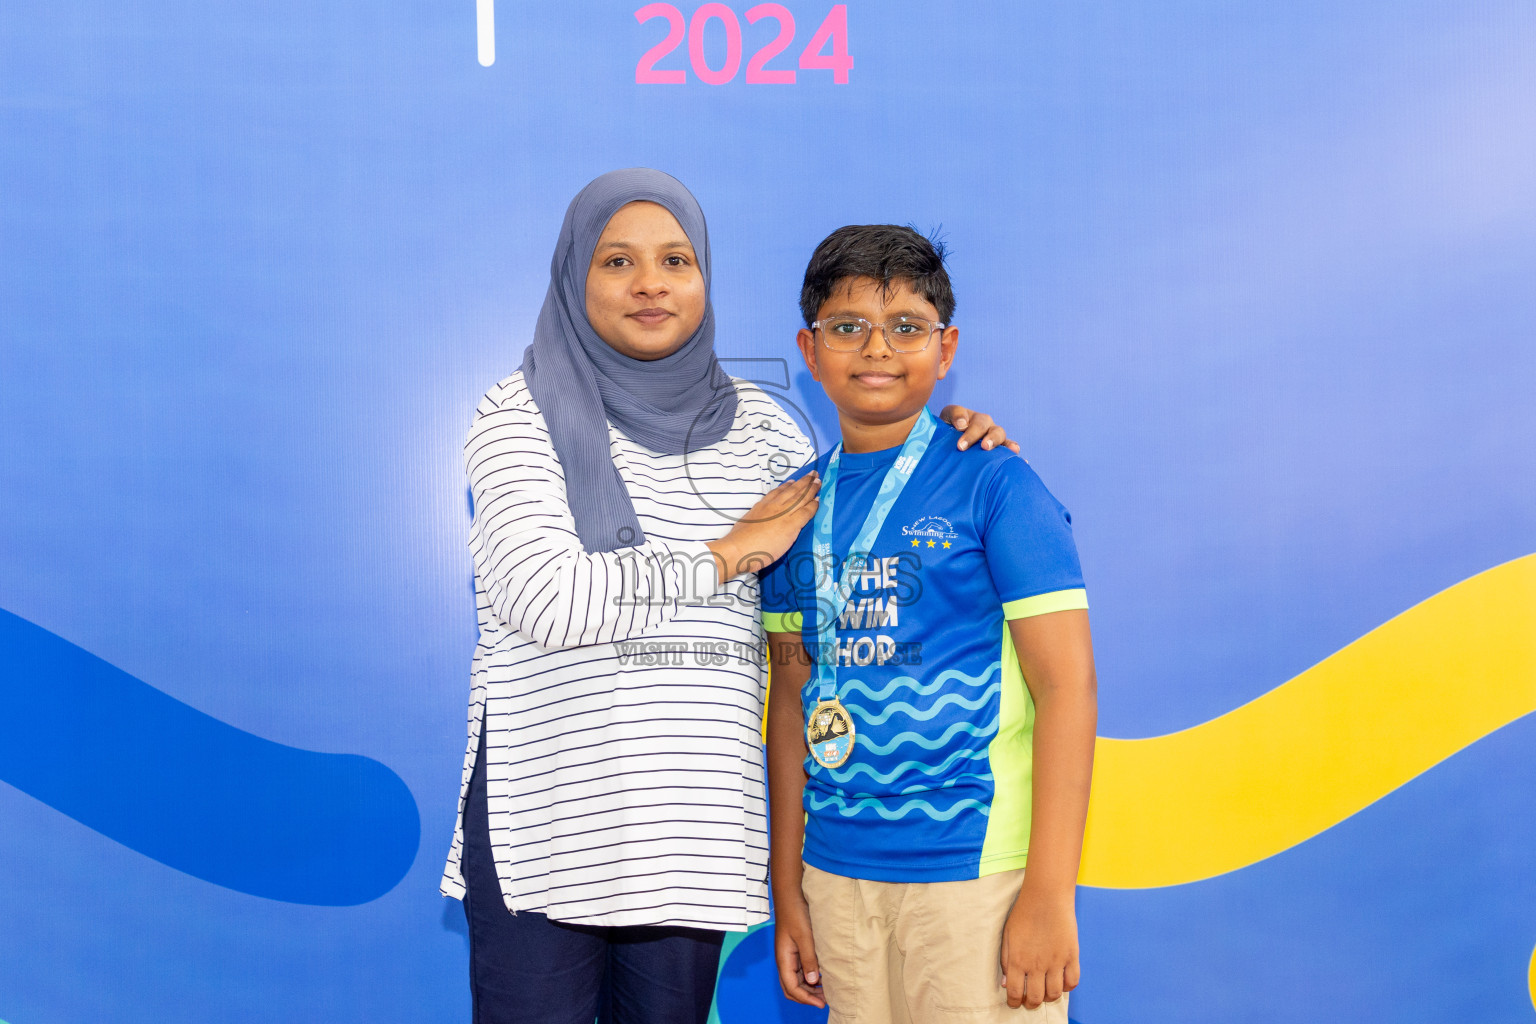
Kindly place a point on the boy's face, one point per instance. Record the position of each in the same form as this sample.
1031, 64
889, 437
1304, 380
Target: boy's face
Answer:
876, 384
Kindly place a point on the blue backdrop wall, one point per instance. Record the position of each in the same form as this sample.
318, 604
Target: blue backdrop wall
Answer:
1252, 284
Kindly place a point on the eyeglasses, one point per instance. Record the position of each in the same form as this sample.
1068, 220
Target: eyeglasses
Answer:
902, 333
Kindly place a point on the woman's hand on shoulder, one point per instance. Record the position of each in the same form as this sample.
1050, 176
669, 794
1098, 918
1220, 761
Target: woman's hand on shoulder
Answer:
769, 527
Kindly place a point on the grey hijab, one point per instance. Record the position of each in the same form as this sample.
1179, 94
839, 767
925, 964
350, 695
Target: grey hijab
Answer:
674, 405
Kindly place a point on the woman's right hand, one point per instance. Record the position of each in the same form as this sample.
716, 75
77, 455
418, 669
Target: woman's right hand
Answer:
769, 527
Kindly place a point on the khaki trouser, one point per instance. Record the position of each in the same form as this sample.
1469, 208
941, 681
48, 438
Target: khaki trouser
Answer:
916, 952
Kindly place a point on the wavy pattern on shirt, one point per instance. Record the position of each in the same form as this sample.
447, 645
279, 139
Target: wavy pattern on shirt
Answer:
848, 773
848, 808
921, 689
872, 742
925, 714
917, 739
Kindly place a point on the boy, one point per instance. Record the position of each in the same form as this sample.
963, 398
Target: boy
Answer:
924, 858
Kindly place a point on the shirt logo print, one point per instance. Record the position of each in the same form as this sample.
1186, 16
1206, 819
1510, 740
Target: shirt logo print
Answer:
930, 531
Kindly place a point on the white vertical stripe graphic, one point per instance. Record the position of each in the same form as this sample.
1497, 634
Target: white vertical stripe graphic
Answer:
485, 31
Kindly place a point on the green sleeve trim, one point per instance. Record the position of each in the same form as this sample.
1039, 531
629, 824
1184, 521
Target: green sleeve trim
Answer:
996, 863
783, 622
1041, 604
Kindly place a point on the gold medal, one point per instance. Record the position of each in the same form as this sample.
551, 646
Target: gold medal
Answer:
829, 733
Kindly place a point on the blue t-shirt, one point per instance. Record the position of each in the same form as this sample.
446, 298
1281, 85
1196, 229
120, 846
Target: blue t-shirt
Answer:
937, 787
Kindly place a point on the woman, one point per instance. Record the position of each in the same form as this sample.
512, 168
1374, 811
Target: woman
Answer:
625, 490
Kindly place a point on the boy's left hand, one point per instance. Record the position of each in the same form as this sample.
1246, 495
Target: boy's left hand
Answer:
976, 426
1039, 955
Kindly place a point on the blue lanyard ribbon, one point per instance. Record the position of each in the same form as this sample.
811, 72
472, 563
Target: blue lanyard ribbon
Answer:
831, 597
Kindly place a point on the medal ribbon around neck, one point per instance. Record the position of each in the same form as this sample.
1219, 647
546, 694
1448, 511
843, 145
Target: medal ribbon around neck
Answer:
832, 597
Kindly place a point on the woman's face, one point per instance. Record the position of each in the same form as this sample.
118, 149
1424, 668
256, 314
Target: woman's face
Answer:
645, 293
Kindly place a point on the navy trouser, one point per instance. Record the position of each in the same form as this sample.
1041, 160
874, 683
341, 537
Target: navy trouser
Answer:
526, 969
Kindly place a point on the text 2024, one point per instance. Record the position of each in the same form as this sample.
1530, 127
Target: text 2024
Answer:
826, 51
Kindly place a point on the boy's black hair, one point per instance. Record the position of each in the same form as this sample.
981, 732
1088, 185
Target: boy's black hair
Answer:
886, 252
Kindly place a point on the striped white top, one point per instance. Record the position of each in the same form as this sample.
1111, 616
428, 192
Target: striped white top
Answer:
621, 692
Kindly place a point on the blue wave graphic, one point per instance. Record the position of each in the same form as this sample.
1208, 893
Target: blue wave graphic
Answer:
919, 688
846, 774
924, 787
902, 707
930, 788
918, 787
848, 808
919, 740
190, 791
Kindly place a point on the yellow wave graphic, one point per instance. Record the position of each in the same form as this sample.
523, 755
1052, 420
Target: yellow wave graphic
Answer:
1531, 978
1315, 750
